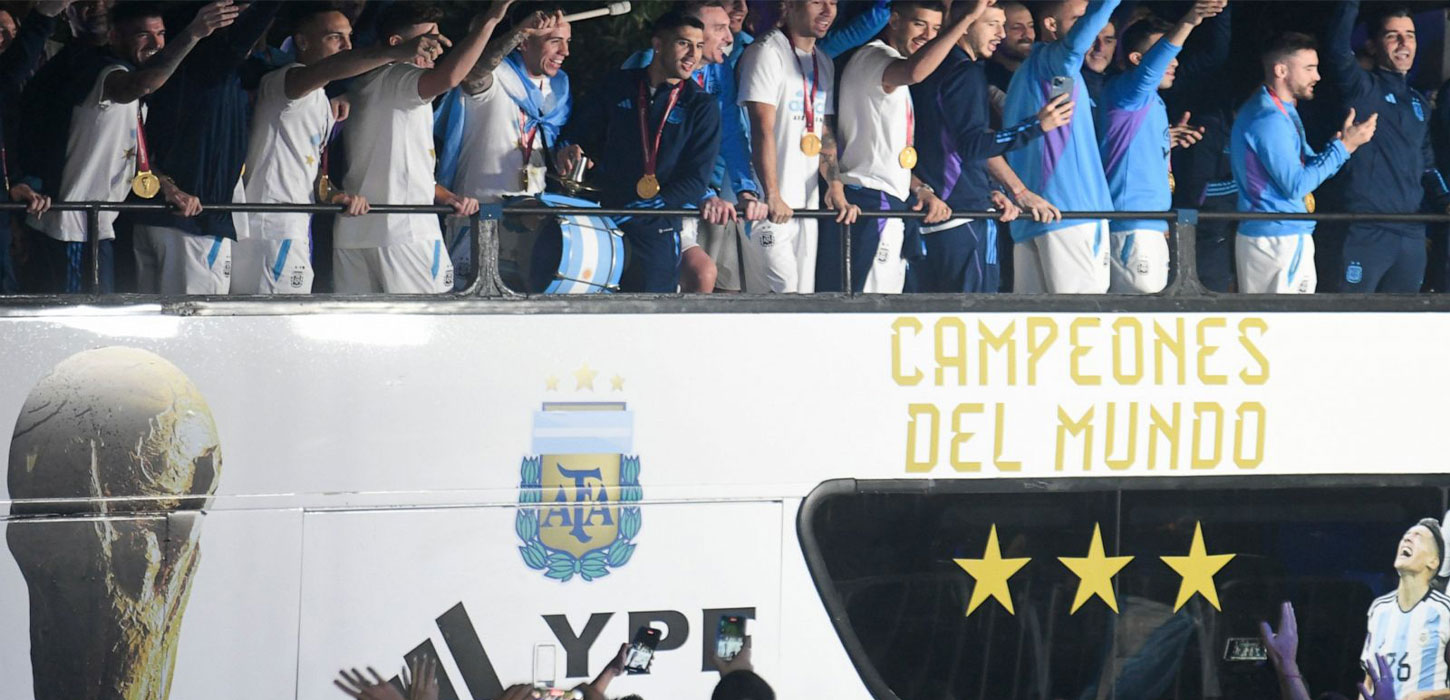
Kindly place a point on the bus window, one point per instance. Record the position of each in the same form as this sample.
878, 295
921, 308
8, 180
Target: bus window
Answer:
986, 590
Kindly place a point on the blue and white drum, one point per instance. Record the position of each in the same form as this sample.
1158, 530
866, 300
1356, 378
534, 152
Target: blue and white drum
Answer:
552, 253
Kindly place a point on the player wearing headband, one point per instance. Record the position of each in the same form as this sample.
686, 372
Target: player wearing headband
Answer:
1410, 625
654, 134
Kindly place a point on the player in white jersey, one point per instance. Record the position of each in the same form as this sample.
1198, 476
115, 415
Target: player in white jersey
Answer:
878, 126
502, 123
1410, 626
391, 160
787, 86
105, 153
291, 125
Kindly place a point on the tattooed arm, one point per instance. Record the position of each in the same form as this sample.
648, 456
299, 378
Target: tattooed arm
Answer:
480, 78
831, 170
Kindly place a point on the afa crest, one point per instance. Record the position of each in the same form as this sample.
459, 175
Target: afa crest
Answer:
579, 491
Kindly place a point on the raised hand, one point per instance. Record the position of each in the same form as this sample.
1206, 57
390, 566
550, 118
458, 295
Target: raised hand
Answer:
542, 23
1355, 135
1056, 113
1283, 646
1202, 10
1183, 134
498, 10
360, 687
1382, 690
424, 47
421, 679
212, 17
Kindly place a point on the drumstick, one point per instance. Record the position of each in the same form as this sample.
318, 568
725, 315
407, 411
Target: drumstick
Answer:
615, 8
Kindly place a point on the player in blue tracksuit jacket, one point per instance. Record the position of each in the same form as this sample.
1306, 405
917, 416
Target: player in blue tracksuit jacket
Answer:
1071, 256
607, 128
1277, 171
1397, 170
1133, 129
953, 118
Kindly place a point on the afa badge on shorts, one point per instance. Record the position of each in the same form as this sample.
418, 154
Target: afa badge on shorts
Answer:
1353, 273
579, 491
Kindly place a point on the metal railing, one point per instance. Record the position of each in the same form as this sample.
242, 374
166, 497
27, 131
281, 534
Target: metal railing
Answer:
483, 228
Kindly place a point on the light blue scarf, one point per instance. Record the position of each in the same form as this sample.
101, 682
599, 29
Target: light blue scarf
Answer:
448, 120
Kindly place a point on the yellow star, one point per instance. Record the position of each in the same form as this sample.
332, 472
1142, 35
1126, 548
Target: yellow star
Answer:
991, 573
585, 377
433, 154
616, 383
309, 160
1197, 570
1095, 573
551, 384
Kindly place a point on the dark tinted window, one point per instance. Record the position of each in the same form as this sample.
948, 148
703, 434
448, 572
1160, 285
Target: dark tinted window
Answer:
883, 557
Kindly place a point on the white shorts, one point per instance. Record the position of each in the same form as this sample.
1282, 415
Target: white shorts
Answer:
1071, 260
689, 233
407, 268
1276, 264
1140, 262
888, 269
263, 266
780, 258
172, 261
722, 244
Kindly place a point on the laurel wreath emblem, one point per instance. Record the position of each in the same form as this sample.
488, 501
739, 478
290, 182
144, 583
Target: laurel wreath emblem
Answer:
563, 566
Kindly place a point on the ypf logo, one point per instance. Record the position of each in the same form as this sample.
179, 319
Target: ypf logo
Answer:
575, 491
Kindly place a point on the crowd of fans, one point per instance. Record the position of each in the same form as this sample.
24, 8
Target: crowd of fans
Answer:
746, 111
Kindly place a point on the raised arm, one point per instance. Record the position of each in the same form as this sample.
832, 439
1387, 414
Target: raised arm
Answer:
480, 78
1137, 87
928, 58
455, 65
856, 32
19, 62
1274, 143
131, 85
1209, 52
1064, 57
1340, 62
302, 80
234, 45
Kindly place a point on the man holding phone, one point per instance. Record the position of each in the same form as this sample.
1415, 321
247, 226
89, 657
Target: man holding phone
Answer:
1066, 257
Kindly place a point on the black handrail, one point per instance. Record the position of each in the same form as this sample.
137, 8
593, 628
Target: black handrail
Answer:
485, 241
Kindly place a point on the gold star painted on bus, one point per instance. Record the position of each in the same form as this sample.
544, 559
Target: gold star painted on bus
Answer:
1197, 570
991, 573
585, 377
1095, 573
551, 384
616, 383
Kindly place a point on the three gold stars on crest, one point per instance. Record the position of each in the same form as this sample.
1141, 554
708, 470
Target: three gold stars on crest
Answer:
584, 379
1095, 573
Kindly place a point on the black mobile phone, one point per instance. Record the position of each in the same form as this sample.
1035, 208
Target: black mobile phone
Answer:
641, 650
730, 637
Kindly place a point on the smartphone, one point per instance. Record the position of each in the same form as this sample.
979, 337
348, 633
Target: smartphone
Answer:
1060, 85
730, 637
641, 650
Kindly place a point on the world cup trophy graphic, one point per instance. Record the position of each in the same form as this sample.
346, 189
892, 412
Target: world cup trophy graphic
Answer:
121, 443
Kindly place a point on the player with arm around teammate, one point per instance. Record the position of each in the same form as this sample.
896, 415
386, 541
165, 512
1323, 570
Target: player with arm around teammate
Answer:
1411, 625
291, 125
1277, 171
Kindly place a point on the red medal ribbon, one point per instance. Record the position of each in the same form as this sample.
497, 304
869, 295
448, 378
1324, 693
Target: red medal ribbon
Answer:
143, 161
651, 156
526, 140
5, 167
811, 93
1298, 126
910, 124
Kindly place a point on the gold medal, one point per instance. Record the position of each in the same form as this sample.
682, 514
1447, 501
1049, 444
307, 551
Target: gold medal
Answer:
811, 145
325, 190
907, 158
1309, 202
1172, 184
647, 187
145, 184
